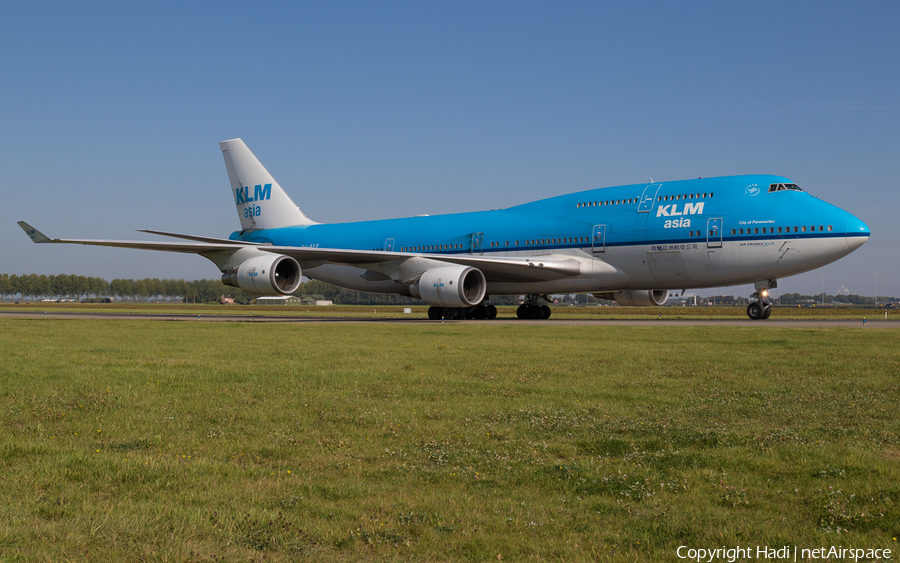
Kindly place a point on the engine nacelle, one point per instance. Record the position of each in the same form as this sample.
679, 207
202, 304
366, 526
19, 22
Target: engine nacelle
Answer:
265, 275
652, 298
451, 286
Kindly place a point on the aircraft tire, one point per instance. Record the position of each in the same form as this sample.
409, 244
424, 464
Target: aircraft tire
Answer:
767, 312
536, 312
490, 312
545, 312
755, 310
434, 313
448, 313
522, 312
479, 313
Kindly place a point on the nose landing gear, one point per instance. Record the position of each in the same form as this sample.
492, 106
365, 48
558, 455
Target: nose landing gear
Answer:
761, 308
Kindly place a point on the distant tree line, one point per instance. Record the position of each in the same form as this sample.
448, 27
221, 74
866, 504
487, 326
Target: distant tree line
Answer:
38, 287
844, 299
69, 287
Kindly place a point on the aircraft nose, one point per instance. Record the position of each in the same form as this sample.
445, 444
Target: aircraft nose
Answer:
857, 233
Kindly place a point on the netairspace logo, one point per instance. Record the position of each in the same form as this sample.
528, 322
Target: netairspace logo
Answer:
782, 553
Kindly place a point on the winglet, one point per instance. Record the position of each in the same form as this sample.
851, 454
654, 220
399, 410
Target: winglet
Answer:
35, 234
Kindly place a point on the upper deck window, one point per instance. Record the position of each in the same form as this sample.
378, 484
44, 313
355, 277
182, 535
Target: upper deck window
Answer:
783, 187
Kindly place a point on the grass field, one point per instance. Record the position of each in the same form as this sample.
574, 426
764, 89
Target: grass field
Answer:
165, 441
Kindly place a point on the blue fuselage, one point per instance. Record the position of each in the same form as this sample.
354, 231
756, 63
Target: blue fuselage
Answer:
721, 229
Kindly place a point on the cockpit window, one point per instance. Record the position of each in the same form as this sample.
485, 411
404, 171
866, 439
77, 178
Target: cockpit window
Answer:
783, 187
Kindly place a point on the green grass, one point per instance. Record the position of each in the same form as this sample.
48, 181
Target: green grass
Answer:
137, 440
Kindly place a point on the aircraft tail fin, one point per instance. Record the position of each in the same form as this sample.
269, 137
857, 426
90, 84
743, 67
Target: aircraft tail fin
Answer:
260, 200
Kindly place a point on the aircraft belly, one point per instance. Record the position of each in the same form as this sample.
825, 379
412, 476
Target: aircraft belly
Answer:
645, 267
667, 266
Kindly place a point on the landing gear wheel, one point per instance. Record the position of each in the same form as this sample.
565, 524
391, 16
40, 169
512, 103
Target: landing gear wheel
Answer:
522, 312
490, 312
434, 313
448, 313
545, 312
536, 312
479, 313
756, 310
767, 312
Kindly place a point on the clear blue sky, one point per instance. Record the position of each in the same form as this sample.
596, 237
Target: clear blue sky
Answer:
112, 113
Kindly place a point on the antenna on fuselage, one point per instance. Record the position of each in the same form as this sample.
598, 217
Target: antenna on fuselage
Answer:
651, 179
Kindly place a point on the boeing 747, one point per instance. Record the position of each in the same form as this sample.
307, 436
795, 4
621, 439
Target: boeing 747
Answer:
632, 244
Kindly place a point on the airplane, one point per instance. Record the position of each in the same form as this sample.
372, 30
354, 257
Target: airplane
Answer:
632, 244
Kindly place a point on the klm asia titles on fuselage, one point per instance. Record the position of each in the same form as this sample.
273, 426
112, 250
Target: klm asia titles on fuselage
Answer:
672, 211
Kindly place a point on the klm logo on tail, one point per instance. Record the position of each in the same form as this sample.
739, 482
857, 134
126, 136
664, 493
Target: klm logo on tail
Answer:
260, 193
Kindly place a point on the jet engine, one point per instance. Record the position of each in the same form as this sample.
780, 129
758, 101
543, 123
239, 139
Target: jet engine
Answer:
652, 298
451, 286
265, 275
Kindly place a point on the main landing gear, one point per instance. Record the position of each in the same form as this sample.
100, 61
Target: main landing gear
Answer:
761, 308
532, 309
479, 312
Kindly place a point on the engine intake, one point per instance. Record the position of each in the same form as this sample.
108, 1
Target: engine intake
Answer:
451, 286
265, 275
651, 298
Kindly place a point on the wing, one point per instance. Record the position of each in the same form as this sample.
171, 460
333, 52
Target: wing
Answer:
185, 247
494, 268
505, 269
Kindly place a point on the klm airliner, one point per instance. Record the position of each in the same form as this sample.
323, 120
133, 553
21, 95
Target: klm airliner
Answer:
633, 244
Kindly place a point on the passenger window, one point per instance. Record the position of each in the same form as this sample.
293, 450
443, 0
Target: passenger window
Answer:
795, 229
829, 228
732, 231
803, 229
756, 231
821, 228
779, 229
